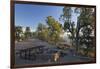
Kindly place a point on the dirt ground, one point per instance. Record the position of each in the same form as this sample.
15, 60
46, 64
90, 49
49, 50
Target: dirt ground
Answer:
35, 42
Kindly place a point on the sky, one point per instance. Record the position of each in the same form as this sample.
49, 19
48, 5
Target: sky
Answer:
31, 15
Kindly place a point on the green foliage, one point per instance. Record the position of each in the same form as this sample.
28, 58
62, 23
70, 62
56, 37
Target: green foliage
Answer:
27, 33
53, 24
51, 31
41, 27
85, 26
69, 26
18, 32
67, 14
55, 28
42, 32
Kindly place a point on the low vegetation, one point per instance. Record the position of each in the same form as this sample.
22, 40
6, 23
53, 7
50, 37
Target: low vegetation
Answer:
82, 33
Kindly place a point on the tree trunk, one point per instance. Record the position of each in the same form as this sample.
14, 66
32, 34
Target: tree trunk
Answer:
77, 39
